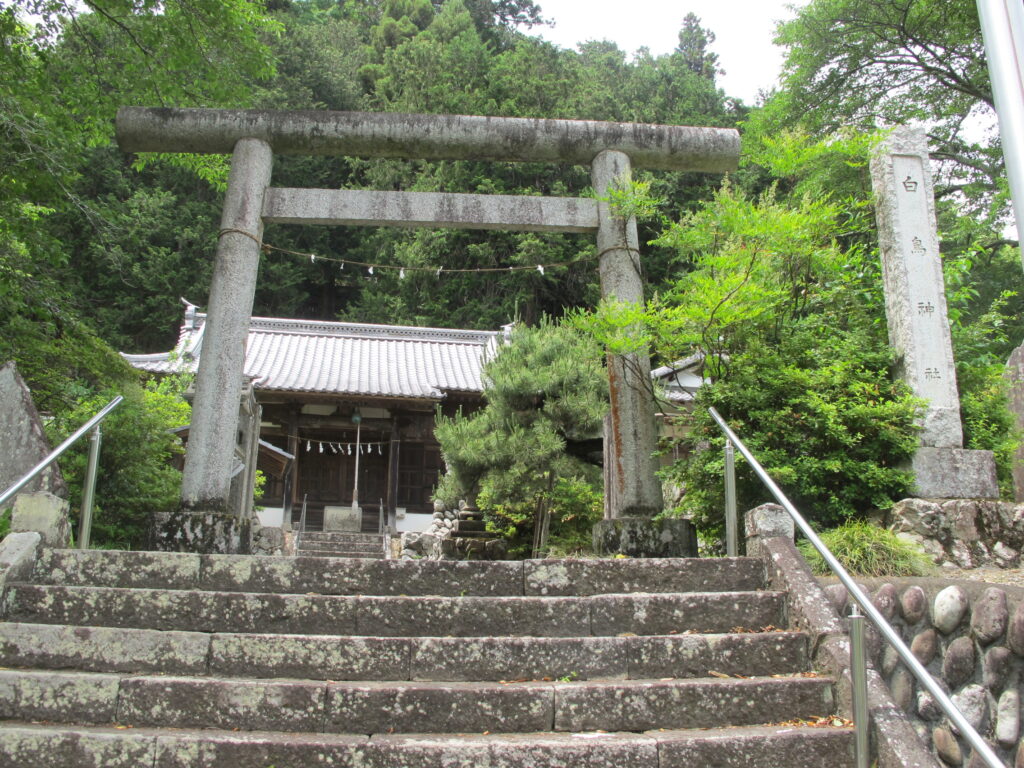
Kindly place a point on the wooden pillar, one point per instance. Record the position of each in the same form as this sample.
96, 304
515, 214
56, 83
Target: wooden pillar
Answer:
292, 482
393, 451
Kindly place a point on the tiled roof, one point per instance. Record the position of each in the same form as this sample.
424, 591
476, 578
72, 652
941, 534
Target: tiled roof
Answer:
344, 358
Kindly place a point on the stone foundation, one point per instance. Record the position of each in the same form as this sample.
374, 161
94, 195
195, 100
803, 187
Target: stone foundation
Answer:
441, 542
954, 473
271, 540
964, 533
645, 537
343, 519
202, 532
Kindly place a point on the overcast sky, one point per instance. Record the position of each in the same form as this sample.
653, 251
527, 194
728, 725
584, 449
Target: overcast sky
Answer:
743, 32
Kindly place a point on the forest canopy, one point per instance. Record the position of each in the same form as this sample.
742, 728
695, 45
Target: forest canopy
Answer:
97, 247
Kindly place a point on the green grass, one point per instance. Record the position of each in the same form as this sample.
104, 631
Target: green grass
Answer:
868, 550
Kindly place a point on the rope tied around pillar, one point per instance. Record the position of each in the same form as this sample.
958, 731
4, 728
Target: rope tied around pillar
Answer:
634, 257
250, 235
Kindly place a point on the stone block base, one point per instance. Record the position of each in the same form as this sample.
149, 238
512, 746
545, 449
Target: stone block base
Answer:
954, 473
43, 513
203, 532
344, 519
644, 537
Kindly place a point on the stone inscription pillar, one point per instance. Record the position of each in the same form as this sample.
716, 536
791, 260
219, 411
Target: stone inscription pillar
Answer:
915, 295
213, 434
915, 306
631, 432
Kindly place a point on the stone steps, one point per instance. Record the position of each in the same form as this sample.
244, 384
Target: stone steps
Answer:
375, 554
343, 537
394, 616
302, 575
85, 747
441, 659
406, 707
166, 660
339, 544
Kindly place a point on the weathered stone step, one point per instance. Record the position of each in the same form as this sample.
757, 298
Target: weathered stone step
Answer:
367, 546
338, 546
31, 746
368, 555
240, 573
463, 534
338, 537
394, 616
442, 659
409, 707
463, 526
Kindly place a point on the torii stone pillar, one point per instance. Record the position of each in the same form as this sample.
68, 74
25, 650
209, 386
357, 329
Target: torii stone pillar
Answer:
632, 431
611, 148
915, 307
206, 483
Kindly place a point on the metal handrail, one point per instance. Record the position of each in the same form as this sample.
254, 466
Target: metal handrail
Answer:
876, 617
89, 490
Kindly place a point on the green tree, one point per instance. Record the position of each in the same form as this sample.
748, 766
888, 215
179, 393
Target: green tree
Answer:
135, 477
888, 62
788, 322
532, 446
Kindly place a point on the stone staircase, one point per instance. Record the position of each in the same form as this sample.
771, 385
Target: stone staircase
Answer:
335, 544
167, 660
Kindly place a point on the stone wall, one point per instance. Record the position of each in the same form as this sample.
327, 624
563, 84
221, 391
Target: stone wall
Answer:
970, 636
441, 541
963, 533
427, 545
272, 540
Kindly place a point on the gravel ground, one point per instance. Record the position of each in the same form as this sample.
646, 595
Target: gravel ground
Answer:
1011, 576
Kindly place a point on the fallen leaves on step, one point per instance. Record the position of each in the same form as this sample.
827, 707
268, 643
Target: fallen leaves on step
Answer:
828, 721
752, 630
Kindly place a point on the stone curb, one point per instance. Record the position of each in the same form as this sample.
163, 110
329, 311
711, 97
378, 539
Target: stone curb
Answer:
894, 739
395, 616
20, 745
318, 657
18, 554
301, 575
406, 707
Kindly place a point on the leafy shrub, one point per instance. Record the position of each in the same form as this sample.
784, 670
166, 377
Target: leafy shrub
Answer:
866, 549
135, 477
576, 504
823, 417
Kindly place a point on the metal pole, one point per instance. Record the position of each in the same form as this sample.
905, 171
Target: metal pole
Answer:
857, 594
59, 450
859, 678
731, 543
89, 492
1002, 28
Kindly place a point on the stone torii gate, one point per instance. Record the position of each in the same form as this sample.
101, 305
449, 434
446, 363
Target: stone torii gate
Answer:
252, 137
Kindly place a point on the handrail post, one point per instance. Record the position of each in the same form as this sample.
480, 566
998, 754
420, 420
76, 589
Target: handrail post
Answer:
859, 680
981, 747
89, 491
731, 543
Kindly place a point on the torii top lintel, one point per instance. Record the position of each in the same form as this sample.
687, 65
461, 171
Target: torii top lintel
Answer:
428, 137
